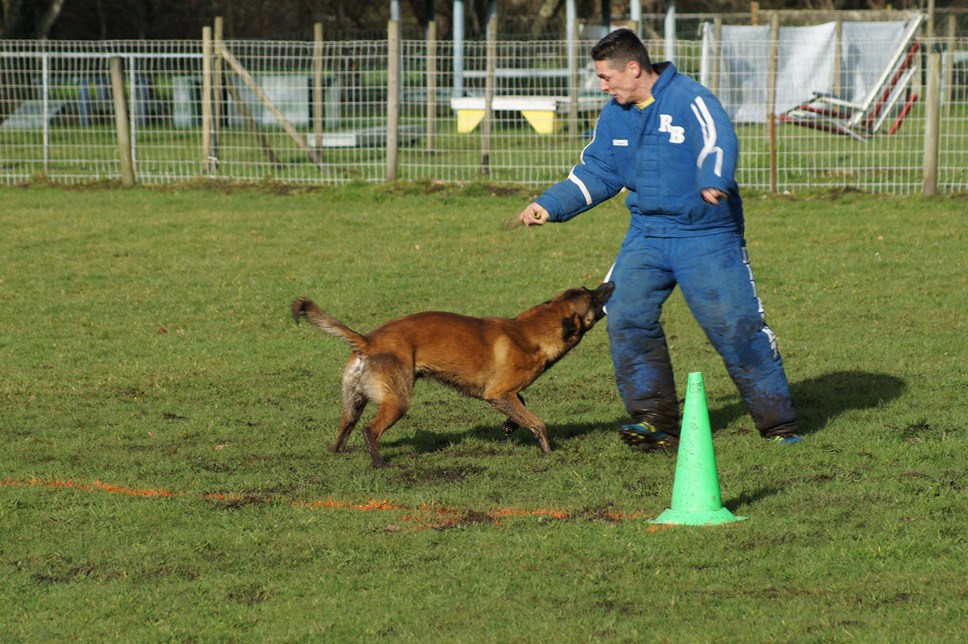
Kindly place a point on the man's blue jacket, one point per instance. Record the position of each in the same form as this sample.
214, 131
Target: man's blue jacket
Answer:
664, 154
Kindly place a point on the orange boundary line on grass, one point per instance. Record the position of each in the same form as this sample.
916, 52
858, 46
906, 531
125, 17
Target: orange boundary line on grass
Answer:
87, 487
426, 516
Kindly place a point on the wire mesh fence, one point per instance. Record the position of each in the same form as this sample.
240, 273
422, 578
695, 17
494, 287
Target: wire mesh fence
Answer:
317, 113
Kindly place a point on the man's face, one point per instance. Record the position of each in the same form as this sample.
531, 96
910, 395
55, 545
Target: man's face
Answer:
622, 83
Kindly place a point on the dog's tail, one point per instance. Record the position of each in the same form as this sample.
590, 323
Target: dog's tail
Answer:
325, 322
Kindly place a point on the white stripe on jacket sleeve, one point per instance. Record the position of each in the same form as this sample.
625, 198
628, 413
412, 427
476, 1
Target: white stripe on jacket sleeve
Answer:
708, 135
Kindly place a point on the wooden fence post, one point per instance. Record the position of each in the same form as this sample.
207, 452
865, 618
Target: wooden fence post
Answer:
121, 121
431, 84
207, 160
393, 99
932, 120
771, 93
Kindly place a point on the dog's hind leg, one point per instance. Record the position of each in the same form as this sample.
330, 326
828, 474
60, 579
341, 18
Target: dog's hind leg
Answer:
513, 407
509, 425
389, 413
351, 413
392, 408
354, 400
395, 390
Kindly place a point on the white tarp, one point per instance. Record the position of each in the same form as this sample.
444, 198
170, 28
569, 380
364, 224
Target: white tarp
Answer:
805, 64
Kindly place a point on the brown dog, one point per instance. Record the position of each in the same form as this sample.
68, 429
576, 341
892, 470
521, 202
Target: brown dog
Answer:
488, 358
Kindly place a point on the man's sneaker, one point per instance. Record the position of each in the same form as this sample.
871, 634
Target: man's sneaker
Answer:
645, 435
785, 439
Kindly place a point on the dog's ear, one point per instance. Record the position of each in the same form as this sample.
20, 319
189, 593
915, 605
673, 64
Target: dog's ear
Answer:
570, 327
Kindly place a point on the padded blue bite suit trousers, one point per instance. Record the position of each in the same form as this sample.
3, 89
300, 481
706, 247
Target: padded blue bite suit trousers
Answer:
714, 275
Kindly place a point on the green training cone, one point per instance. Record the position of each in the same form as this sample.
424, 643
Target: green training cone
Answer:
695, 493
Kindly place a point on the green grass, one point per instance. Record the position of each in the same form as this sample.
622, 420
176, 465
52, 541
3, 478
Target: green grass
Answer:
163, 429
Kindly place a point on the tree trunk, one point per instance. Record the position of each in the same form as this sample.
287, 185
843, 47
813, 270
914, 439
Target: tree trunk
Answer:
48, 19
548, 11
28, 18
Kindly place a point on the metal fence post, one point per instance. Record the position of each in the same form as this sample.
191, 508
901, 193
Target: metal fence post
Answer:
491, 64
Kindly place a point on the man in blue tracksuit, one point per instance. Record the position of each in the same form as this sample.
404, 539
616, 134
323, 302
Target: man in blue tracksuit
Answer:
667, 139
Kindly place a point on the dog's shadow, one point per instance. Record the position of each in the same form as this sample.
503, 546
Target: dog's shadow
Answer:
818, 401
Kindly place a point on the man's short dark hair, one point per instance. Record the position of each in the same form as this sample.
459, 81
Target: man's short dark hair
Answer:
621, 47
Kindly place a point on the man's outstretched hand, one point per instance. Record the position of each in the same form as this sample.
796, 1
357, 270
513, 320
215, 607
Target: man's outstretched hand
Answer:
534, 214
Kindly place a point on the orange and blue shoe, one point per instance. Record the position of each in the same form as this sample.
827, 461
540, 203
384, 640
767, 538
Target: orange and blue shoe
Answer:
645, 435
785, 439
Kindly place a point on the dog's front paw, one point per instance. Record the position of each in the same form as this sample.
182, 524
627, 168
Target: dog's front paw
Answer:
509, 427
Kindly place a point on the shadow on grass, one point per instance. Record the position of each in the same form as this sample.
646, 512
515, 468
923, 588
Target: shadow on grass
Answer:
819, 400
428, 441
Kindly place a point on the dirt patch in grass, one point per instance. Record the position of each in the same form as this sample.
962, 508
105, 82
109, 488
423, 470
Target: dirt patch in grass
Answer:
433, 475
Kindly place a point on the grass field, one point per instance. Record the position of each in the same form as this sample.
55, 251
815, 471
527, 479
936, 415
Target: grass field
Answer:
163, 429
